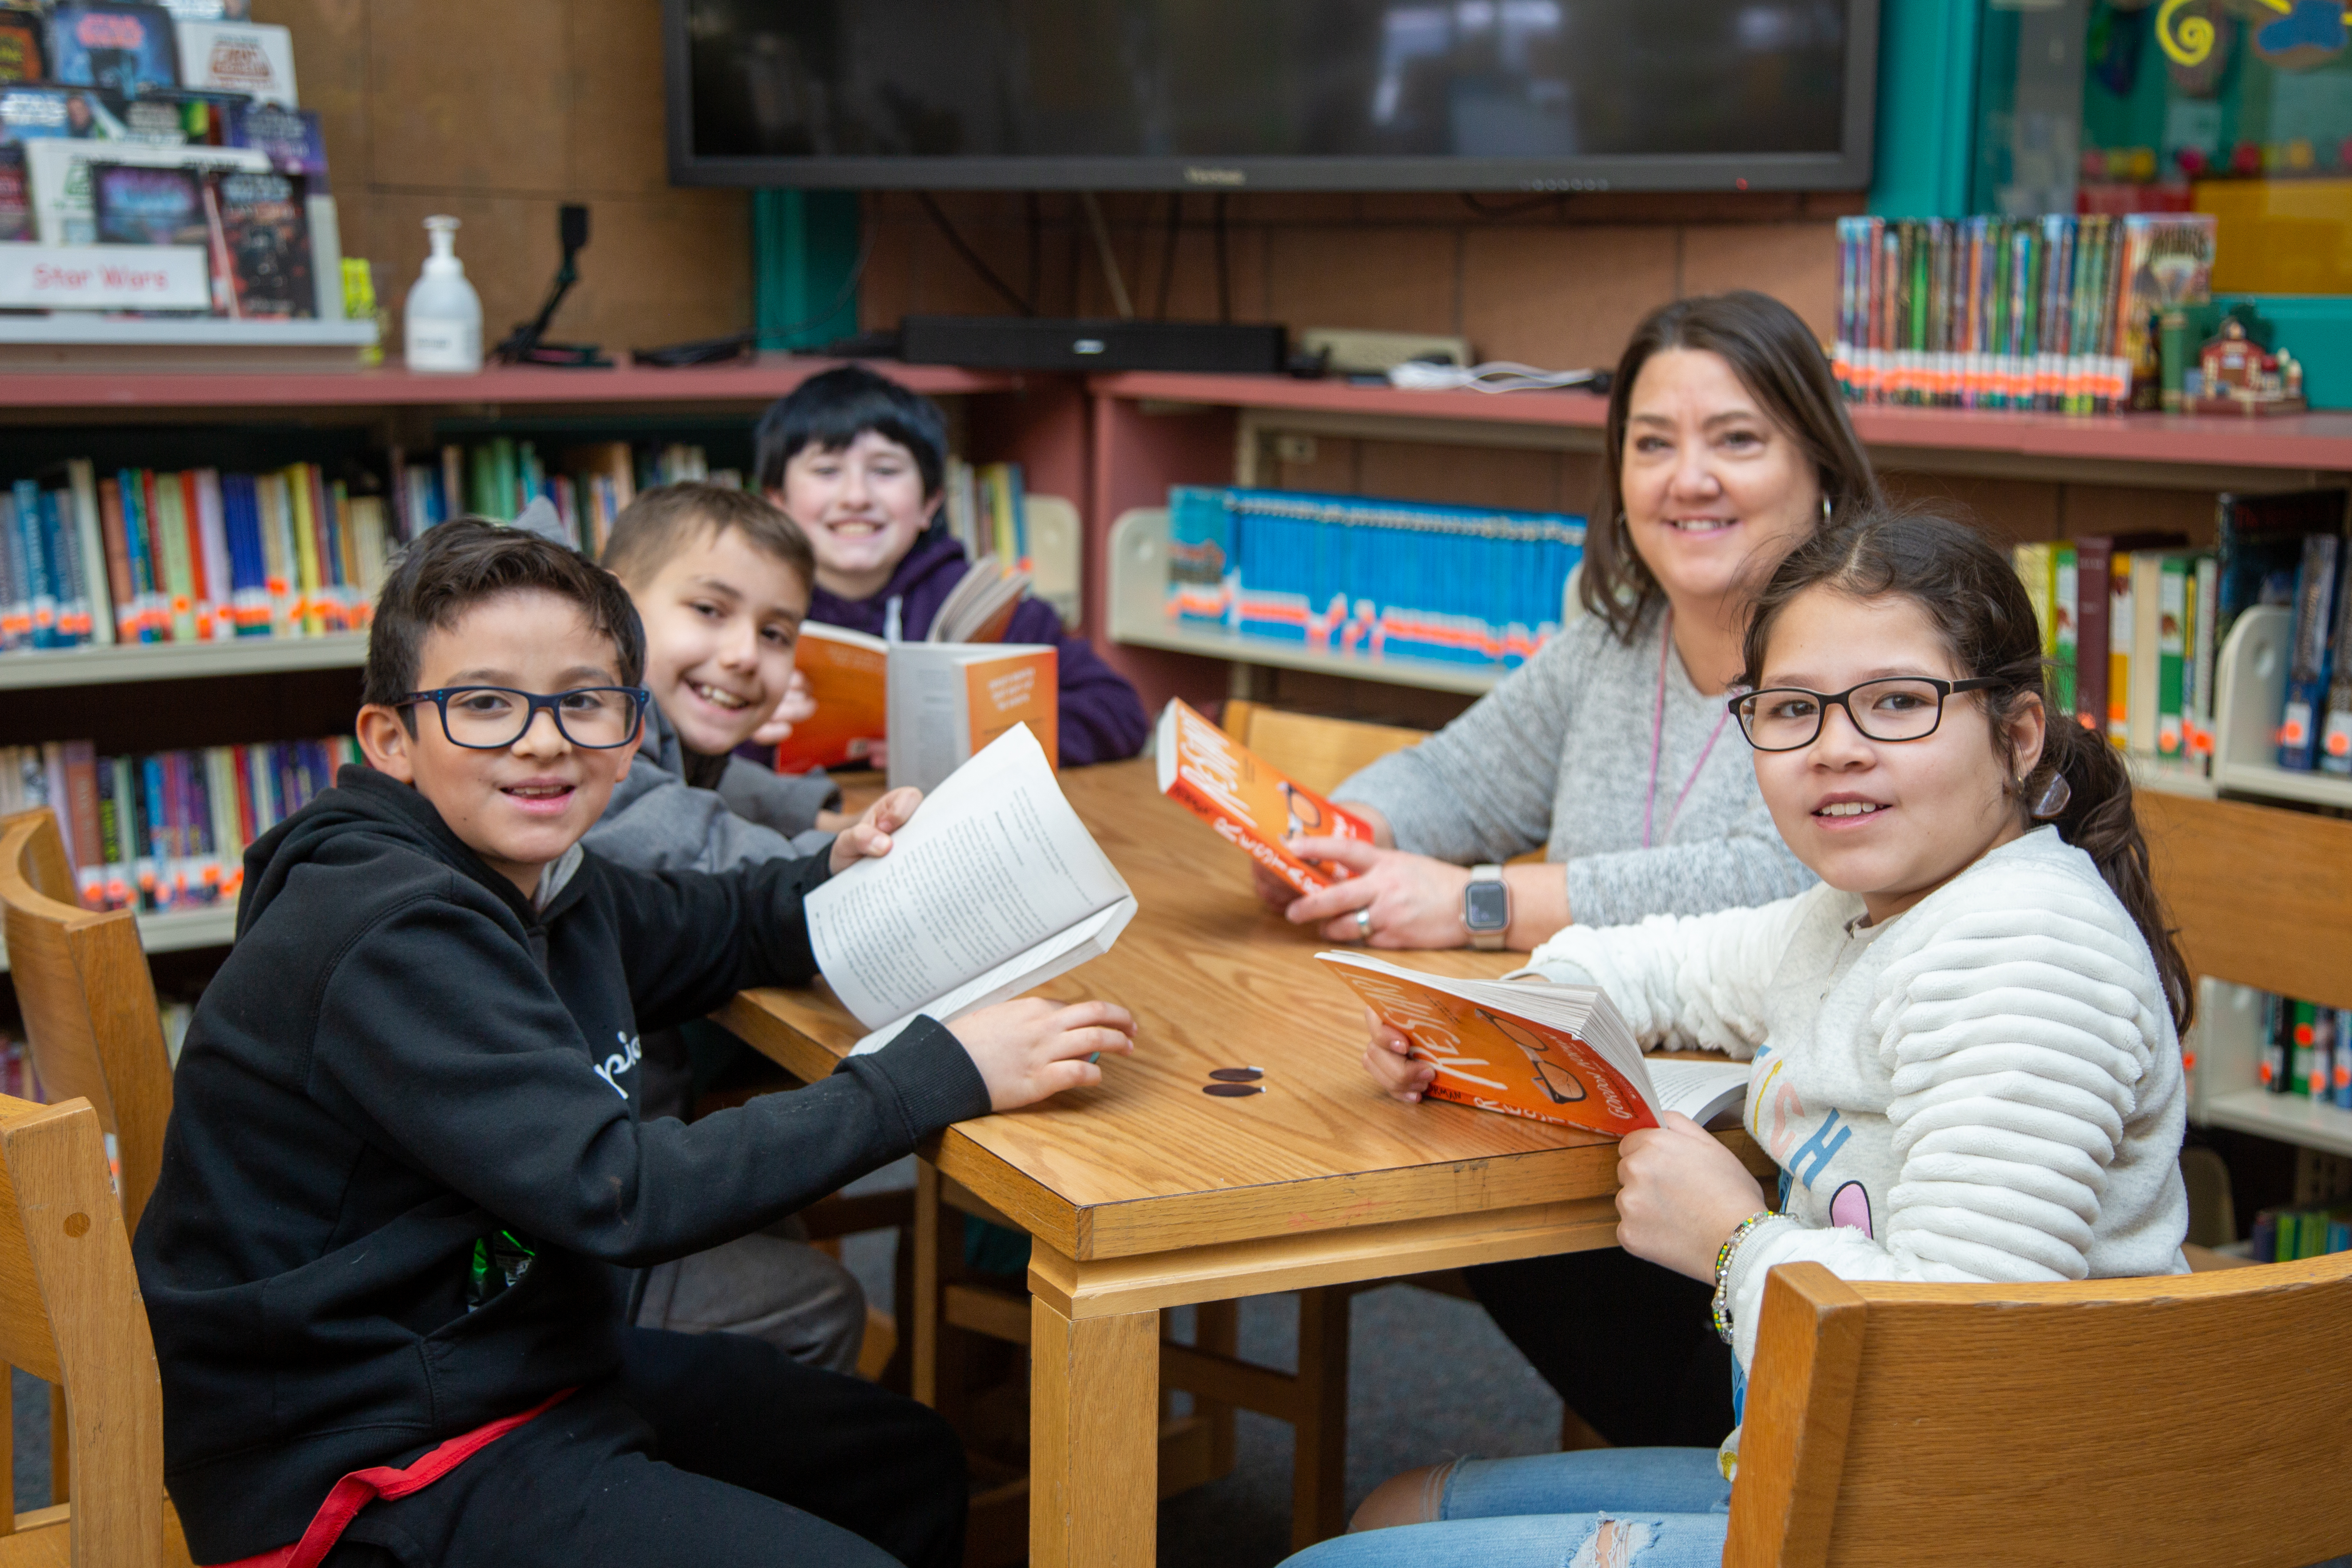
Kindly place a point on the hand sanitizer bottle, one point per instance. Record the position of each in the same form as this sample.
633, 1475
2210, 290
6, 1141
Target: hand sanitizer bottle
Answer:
444, 313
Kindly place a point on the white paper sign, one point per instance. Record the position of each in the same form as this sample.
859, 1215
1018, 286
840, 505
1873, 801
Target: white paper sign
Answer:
239, 56
105, 276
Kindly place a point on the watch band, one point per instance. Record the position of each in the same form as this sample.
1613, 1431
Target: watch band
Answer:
1488, 941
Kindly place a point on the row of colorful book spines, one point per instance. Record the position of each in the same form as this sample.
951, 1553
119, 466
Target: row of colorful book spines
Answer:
2288, 1235
2065, 384
586, 504
1287, 618
1498, 585
2009, 286
170, 829
220, 521
2308, 1053
291, 524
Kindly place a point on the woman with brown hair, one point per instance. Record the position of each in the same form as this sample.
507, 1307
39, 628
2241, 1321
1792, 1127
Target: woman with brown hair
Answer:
1727, 445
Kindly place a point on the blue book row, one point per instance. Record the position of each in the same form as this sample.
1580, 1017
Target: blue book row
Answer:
1363, 576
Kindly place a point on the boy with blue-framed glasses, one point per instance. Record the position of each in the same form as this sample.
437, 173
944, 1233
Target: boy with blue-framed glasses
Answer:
407, 1162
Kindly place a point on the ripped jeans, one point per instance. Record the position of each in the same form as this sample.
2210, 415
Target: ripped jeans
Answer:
1596, 1508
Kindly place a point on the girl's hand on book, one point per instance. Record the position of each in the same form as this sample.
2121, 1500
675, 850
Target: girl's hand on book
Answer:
1030, 1049
796, 707
869, 838
1679, 1193
1412, 899
1399, 1075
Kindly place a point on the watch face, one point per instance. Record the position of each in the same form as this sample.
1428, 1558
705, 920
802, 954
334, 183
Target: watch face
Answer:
1487, 906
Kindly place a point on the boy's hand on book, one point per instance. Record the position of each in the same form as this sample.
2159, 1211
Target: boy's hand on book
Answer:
1030, 1049
869, 838
796, 707
1679, 1193
1397, 1074
1413, 901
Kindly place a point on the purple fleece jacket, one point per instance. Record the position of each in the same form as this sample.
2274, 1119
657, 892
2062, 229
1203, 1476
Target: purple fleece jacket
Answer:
1102, 718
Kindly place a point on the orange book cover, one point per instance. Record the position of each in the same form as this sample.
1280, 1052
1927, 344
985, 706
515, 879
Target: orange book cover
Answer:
1015, 689
1500, 1061
847, 675
1223, 783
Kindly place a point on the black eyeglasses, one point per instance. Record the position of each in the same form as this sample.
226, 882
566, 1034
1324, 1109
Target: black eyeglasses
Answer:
492, 718
1899, 707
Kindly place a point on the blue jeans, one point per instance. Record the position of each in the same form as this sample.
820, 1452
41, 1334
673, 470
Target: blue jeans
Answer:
1665, 1508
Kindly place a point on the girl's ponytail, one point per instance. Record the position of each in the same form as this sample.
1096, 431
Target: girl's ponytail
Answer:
1968, 587
2098, 818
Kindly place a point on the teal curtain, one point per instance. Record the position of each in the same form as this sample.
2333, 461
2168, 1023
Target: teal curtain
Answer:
804, 248
1928, 52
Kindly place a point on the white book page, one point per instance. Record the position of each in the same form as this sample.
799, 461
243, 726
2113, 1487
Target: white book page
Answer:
1700, 1090
1056, 956
994, 864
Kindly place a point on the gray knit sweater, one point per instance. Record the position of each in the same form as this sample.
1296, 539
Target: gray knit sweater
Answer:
1558, 755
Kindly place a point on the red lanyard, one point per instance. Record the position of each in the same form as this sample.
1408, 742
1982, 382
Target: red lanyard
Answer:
1658, 736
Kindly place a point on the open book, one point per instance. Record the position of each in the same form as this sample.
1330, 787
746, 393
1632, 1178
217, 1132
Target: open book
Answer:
993, 887
1551, 1053
1228, 786
848, 677
950, 700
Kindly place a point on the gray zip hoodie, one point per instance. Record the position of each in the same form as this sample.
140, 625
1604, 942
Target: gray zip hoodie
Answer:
657, 822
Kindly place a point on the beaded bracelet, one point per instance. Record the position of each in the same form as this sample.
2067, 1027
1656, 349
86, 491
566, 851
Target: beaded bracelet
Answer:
1722, 1312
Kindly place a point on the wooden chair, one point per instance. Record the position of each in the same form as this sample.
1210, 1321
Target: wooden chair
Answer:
90, 1024
1315, 751
2185, 1418
1319, 753
71, 1312
89, 1004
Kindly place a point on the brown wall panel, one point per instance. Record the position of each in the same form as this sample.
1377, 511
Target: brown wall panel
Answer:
1565, 296
495, 111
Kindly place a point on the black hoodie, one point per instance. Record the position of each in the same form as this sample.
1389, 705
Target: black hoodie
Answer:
402, 1057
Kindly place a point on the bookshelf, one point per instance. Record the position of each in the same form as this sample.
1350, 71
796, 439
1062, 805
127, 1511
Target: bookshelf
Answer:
257, 688
110, 665
215, 394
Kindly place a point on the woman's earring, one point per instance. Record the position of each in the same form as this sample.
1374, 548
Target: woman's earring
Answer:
2054, 799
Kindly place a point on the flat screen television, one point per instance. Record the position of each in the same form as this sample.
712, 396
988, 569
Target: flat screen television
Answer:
1349, 95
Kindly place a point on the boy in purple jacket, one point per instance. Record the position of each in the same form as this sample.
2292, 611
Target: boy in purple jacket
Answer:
860, 463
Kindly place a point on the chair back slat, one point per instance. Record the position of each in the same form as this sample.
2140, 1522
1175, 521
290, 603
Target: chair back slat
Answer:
65, 1276
1315, 752
2109, 1421
89, 1004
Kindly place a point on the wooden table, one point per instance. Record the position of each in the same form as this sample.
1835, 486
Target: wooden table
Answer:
1144, 1192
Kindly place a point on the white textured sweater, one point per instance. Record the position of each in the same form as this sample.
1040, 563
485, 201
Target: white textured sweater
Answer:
1986, 1088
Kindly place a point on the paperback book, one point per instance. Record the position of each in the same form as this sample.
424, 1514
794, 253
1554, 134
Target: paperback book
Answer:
993, 889
260, 239
250, 58
968, 696
1548, 1052
114, 48
945, 702
1250, 806
135, 204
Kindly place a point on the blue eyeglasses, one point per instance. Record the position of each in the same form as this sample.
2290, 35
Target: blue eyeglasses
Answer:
492, 718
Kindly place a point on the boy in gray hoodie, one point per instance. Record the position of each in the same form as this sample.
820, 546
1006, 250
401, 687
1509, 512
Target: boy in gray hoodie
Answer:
721, 579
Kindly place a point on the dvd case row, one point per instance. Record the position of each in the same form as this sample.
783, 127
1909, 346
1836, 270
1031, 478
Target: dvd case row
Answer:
2055, 313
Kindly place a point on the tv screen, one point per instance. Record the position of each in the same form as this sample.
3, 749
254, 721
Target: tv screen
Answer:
1277, 94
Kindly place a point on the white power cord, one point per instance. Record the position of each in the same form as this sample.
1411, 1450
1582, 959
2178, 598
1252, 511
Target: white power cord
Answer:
1495, 376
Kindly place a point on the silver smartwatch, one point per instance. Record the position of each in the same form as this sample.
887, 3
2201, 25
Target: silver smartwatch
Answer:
1487, 907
